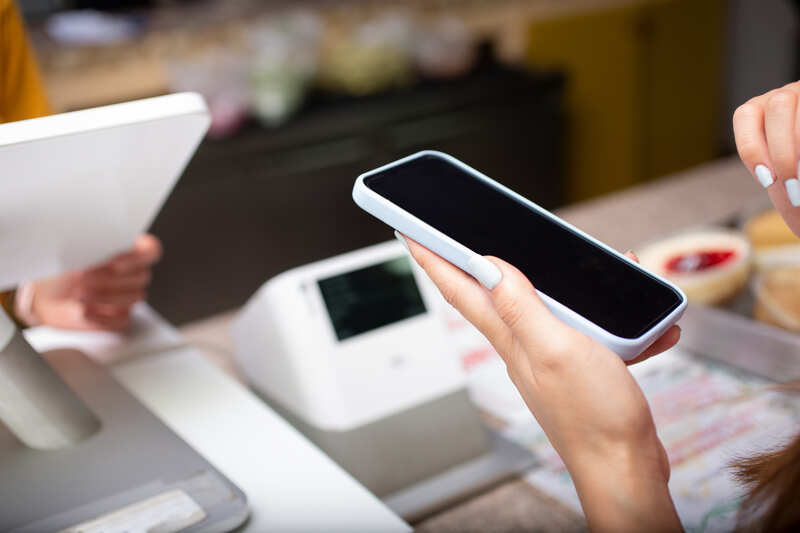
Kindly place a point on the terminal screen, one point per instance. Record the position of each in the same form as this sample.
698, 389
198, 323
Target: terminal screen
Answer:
372, 297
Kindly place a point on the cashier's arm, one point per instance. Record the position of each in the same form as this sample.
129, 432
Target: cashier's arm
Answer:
99, 298
581, 393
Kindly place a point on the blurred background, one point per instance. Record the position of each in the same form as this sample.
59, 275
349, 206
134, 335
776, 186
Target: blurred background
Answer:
562, 100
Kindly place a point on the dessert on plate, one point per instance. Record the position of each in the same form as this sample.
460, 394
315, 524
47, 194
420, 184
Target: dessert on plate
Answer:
711, 266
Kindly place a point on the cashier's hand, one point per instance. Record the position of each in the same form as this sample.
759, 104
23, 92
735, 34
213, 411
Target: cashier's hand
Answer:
767, 130
99, 298
581, 393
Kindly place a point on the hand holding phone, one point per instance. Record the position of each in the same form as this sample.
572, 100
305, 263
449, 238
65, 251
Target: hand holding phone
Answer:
587, 402
583, 396
462, 215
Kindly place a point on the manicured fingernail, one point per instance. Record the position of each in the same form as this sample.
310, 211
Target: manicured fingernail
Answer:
793, 190
402, 240
764, 176
484, 271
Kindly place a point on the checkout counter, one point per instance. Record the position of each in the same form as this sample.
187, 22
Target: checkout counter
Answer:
125, 445
290, 484
669, 205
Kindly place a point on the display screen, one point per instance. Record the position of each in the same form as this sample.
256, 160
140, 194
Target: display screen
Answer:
372, 297
572, 270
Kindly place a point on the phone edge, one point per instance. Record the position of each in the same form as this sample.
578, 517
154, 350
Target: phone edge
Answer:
458, 254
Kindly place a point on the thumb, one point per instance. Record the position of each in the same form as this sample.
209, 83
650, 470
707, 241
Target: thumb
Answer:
148, 248
519, 306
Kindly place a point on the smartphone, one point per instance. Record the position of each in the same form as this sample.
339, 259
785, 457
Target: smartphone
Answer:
459, 213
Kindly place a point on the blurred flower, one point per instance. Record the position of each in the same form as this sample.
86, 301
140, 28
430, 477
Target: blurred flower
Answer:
221, 77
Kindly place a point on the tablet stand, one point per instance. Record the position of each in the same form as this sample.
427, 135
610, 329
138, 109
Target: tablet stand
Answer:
77, 451
107, 453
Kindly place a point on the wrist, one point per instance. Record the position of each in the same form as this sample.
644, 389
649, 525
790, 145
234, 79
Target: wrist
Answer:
626, 488
23, 304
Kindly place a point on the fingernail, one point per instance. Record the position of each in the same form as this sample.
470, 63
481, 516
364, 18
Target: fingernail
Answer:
484, 271
793, 190
402, 240
764, 176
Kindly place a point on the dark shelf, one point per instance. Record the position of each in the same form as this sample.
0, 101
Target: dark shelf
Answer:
266, 200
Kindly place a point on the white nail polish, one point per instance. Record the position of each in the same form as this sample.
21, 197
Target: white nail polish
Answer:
793, 190
764, 176
484, 271
402, 240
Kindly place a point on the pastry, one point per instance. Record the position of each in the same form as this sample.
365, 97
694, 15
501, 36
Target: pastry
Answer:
777, 294
710, 266
767, 229
773, 242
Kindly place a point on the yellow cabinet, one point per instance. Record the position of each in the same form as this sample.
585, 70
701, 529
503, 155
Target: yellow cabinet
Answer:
643, 89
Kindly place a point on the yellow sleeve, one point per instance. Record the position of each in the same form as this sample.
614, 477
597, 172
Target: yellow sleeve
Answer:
22, 93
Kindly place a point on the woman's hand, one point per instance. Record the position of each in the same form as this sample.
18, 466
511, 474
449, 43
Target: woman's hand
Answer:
99, 298
581, 393
767, 131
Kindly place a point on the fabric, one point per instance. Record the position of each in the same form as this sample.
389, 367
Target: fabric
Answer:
22, 93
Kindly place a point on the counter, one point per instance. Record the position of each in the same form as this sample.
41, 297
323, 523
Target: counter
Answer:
705, 195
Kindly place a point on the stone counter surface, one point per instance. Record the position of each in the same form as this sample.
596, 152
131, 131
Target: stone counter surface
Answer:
705, 195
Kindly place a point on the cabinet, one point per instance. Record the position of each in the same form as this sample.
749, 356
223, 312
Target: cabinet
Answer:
644, 96
264, 201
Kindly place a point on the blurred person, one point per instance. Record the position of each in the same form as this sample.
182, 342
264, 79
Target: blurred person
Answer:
583, 396
98, 298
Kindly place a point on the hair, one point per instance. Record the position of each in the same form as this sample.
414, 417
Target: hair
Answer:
773, 481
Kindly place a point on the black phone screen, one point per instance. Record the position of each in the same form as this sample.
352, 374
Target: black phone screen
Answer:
562, 264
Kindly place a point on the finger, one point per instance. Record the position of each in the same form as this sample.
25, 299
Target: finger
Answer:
112, 298
101, 322
751, 141
664, 343
105, 317
105, 310
106, 280
149, 248
779, 125
631, 255
146, 251
521, 309
461, 291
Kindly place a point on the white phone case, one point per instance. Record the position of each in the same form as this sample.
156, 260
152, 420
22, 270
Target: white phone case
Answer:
460, 255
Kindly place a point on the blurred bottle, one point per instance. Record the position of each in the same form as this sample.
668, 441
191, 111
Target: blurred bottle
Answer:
444, 48
283, 64
371, 56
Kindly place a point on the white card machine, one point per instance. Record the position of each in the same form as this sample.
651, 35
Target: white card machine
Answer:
349, 340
